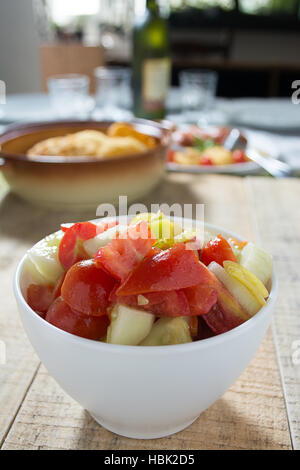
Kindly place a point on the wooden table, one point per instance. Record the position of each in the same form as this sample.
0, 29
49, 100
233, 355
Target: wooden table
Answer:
260, 411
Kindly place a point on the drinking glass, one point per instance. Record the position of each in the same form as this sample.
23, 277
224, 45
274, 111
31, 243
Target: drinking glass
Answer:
113, 93
198, 91
69, 95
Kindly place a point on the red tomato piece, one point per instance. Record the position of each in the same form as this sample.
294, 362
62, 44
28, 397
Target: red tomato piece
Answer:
123, 254
65, 227
218, 249
171, 155
40, 297
106, 225
100, 227
168, 303
206, 161
70, 249
172, 269
220, 321
239, 156
87, 287
63, 317
201, 298
164, 303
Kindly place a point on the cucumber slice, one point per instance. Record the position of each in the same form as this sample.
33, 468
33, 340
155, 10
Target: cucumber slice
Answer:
92, 245
168, 331
42, 261
238, 290
258, 261
128, 326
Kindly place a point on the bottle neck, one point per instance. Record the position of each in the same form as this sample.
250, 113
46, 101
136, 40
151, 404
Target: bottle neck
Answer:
152, 6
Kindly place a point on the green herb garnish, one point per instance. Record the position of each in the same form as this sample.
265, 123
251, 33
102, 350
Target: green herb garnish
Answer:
201, 144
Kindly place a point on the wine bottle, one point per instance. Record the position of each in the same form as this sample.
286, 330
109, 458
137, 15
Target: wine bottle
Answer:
151, 63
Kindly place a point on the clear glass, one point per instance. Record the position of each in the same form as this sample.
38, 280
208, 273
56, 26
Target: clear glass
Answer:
198, 92
69, 95
113, 93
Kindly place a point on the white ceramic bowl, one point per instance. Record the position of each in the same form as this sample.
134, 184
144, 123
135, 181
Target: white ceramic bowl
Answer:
145, 392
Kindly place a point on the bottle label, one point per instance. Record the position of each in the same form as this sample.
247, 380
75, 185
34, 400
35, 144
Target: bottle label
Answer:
156, 79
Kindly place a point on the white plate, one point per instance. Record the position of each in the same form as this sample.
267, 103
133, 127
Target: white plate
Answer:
256, 139
238, 168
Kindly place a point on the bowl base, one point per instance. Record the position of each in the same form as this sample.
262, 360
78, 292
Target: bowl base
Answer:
142, 435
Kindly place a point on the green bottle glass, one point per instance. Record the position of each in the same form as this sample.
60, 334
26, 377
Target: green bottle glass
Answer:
151, 63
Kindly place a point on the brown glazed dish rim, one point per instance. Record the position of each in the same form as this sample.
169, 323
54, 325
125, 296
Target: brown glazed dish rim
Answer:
160, 131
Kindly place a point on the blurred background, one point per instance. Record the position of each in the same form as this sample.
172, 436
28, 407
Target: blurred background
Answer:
252, 44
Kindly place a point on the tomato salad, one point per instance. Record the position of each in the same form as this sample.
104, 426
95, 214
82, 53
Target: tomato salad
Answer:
199, 146
143, 283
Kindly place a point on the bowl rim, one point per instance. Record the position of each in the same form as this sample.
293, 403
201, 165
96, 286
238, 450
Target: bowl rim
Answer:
166, 349
26, 128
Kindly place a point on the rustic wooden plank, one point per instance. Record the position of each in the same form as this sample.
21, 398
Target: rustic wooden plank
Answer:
21, 363
276, 205
21, 225
250, 415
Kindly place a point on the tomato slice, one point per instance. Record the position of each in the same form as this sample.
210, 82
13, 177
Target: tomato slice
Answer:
220, 321
86, 288
239, 156
164, 303
201, 298
206, 161
106, 225
123, 254
100, 227
65, 227
40, 297
63, 317
218, 249
170, 156
70, 250
172, 269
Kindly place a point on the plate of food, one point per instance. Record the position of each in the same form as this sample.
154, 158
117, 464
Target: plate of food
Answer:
131, 315
78, 165
197, 149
